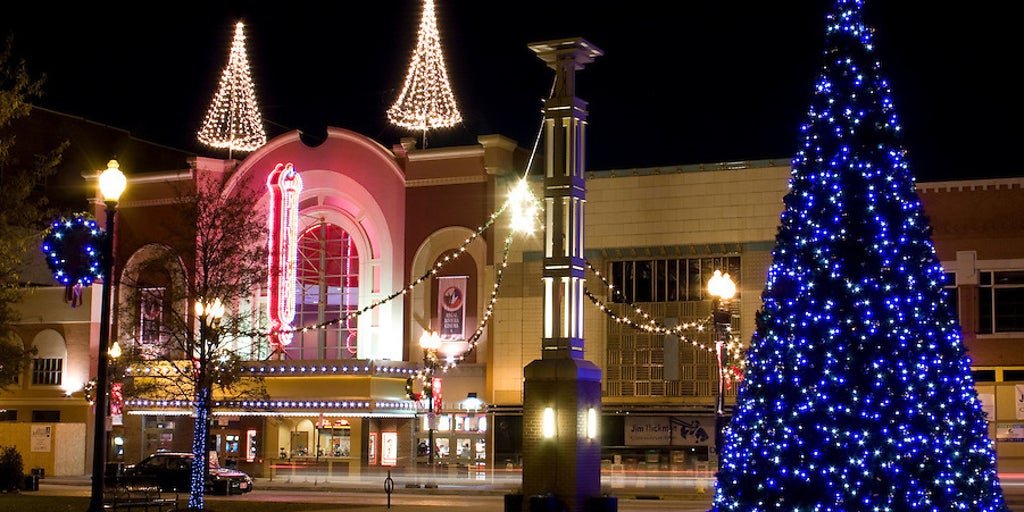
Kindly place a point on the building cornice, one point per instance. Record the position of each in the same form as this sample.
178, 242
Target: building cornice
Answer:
971, 185
435, 182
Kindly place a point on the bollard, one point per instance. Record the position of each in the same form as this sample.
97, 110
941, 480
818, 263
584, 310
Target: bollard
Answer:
389, 485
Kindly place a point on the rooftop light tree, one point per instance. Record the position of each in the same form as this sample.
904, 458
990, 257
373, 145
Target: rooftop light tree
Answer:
234, 121
426, 101
23, 210
858, 393
191, 335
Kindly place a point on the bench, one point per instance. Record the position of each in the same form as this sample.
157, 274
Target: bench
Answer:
135, 494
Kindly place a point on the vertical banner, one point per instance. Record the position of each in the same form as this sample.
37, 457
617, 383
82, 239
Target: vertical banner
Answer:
389, 448
251, 446
451, 307
1018, 401
116, 403
435, 390
371, 449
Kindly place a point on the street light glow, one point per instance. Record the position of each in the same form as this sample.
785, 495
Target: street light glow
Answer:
721, 286
430, 340
112, 182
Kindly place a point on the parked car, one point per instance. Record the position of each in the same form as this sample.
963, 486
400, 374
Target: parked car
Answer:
173, 472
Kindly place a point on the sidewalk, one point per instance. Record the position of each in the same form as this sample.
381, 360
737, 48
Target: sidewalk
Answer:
479, 483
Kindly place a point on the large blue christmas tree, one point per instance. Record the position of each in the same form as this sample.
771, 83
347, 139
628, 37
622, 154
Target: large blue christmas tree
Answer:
858, 393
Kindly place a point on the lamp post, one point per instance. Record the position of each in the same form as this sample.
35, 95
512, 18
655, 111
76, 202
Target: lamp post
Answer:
722, 289
209, 314
112, 183
430, 341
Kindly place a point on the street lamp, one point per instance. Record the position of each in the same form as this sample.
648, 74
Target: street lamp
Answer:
722, 289
209, 315
430, 341
112, 183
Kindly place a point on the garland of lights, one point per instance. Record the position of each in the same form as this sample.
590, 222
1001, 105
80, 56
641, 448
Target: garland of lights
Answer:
425, 374
426, 100
233, 120
74, 254
408, 288
733, 346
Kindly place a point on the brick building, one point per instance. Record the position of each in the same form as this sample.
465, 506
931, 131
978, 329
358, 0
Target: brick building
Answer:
394, 215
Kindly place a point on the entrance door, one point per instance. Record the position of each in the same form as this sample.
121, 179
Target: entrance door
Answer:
300, 443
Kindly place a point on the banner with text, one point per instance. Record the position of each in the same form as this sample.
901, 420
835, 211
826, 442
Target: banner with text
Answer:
451, 307
668, 431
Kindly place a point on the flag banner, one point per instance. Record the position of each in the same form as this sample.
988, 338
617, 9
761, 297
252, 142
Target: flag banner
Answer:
451, 307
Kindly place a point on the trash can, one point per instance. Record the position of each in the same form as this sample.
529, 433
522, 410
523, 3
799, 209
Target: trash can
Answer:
31, 482
514, 502
40, 472
113, 472
602, 504
544, 503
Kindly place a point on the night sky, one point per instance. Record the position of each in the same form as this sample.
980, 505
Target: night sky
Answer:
680, 82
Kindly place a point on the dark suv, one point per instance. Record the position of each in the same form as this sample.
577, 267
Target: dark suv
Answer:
173, 472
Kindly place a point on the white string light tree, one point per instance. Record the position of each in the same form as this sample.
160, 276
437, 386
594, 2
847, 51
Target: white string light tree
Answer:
233, 121
426, 101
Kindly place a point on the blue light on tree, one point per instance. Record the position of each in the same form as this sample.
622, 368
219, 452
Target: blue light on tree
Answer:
858, 393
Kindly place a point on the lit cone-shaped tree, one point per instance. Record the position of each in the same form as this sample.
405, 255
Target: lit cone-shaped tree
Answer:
233, 121
426, 101
857, 394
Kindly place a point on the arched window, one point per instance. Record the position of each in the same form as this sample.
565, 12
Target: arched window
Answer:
327, 290
49, 361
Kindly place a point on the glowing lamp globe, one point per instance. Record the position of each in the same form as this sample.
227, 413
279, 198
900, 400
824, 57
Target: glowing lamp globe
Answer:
112, 182
430, 340
721, 286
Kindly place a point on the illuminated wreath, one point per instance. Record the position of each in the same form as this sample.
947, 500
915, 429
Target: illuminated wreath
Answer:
73, 249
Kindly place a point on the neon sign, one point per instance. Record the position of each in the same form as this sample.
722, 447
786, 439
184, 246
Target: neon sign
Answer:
285, 185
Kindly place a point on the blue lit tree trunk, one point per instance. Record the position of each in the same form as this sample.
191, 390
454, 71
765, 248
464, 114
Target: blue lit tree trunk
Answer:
200, 450
211, 326
858, 394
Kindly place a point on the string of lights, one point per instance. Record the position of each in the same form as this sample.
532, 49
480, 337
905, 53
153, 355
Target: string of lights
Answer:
233, 120
426, 100
649, 325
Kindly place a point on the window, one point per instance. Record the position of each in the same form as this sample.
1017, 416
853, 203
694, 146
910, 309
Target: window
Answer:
47, 372
1001, 302
46, 416
952, 295
1011, 375
8, 415
48, 364
668, 280
983, 375
151, 339
327, 290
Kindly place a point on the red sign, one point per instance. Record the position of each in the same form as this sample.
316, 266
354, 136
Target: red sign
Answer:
435, 388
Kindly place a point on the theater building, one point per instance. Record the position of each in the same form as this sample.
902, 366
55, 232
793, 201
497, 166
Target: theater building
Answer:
420, 240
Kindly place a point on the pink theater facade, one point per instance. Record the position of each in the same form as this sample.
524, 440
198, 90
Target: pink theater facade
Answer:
373, 231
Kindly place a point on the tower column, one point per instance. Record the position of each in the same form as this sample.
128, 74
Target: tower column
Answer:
562, 391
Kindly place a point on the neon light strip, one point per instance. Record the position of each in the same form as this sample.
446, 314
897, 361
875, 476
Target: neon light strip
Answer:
284, 185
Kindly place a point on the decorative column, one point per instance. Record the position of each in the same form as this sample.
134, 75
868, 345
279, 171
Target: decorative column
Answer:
562, 391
